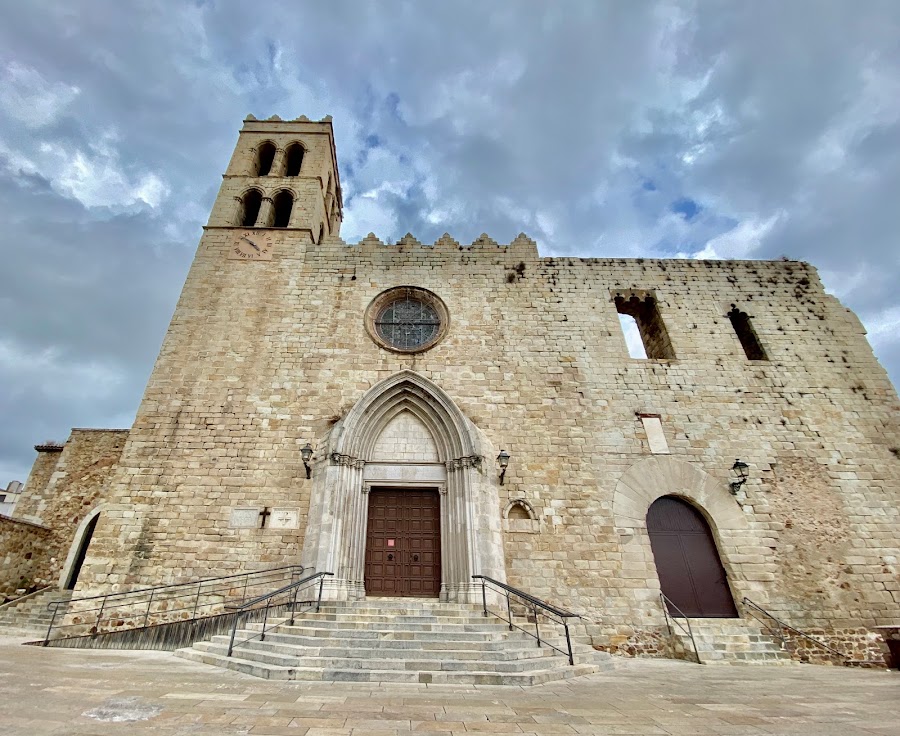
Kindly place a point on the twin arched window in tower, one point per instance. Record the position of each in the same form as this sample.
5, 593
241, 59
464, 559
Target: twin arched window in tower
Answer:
268, 163
278, 215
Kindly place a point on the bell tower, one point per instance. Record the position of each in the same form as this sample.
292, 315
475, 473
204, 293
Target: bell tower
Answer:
282, 175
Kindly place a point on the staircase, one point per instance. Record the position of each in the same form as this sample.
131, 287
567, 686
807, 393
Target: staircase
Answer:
28, 615
729, 641
397, 640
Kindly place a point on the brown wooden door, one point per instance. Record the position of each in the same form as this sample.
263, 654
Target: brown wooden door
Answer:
690, 571
403, 543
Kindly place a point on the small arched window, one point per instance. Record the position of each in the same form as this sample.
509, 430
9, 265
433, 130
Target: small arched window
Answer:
293, 159
265, 157
284, 203
250, 204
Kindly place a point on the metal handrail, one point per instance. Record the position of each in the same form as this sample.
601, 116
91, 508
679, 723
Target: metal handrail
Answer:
252, 606
782, 625
162, 596
664, 600
547, 611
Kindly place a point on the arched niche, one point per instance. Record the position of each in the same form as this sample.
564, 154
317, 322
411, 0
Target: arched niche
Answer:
519, 516
354, 462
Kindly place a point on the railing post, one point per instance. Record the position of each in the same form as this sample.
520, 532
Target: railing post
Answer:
149, 604
55, 605
196, 602
294, 603
319, 599
246, 582
233, 630
100, 615
262, 636
484, 598
537, 630
662, 600
569, 642
508, 611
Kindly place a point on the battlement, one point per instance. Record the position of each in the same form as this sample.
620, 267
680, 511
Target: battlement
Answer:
521, 244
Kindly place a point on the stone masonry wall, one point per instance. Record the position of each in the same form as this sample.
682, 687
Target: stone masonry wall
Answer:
59, 495
262, 357
36, 495
23, 556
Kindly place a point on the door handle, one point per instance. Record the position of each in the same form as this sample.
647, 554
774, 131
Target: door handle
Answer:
390, 557
415, 558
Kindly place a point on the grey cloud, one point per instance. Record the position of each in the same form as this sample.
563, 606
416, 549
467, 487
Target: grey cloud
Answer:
579, 122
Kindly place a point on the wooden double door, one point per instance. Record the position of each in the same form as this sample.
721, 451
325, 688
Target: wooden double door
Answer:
690, 572
403, 543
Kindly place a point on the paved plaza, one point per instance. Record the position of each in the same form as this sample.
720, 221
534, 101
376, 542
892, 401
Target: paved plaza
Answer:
64, 691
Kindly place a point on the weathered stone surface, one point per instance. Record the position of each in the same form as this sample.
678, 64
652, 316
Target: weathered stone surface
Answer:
263, 357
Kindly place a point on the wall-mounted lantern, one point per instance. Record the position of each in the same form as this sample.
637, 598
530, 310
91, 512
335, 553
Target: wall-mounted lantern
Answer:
741, 470
503, 461
306, 453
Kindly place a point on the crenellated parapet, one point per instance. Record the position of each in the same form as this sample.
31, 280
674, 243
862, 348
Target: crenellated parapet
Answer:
522, 245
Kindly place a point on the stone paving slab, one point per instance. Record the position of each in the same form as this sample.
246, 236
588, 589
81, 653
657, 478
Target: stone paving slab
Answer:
67, 692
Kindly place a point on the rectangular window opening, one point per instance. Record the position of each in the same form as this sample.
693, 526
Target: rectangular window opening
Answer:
643, 327
746, 334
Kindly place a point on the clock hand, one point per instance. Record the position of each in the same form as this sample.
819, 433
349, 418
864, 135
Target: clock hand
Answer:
244, 237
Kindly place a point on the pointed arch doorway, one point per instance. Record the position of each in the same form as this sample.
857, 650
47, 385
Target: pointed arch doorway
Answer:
78, 550
690, 571
406, 435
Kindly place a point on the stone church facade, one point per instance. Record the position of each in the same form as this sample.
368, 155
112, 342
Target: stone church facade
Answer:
410, 373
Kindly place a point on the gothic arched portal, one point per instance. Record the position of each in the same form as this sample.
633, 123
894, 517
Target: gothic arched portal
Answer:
357, 461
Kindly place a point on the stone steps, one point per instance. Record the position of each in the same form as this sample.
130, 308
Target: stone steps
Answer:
469, 677
260, 653
29, 616
390, 650
396, 641
731, 642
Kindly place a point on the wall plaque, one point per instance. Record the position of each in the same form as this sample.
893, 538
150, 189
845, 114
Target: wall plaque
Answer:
284, 519
244, 518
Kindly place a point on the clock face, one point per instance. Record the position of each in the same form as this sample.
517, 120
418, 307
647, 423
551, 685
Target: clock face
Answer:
251, 245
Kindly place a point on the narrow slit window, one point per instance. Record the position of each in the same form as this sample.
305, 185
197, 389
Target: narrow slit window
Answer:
284, 203
646, 319
746, 334
265, 158
250, 205
294, 160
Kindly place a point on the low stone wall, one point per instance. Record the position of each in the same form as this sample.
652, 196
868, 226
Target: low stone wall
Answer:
628, 642
858, 645
24, 561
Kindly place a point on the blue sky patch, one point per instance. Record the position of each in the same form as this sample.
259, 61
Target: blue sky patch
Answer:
686, 207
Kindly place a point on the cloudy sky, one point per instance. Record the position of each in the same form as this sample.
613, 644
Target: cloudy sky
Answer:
621, 128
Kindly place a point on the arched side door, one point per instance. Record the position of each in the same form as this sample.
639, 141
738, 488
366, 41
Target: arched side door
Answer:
687, 561
82, 552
